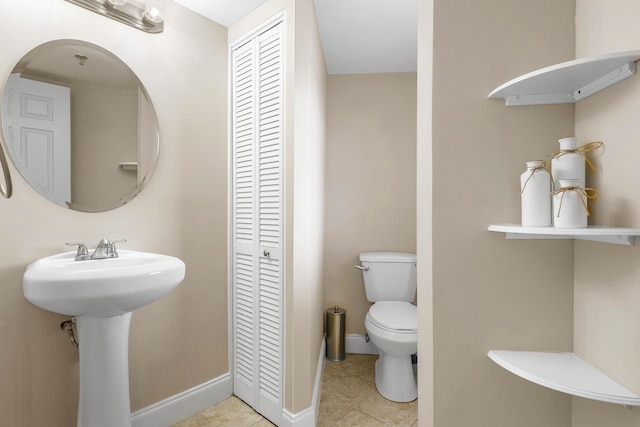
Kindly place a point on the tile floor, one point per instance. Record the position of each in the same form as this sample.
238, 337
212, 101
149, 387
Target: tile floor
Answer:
348, 398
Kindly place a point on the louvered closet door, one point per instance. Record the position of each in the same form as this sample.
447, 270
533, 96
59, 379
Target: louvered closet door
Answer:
257, 71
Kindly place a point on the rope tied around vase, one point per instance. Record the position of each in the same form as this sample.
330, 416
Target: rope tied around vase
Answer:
582, 150
542, 166
584, 194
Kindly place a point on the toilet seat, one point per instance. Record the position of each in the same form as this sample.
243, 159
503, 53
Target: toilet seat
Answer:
398, 317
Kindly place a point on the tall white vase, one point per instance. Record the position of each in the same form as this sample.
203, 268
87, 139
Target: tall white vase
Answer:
535, 195
567, 164
569, 205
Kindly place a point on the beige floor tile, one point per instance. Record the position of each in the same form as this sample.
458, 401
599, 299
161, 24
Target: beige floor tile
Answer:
348, 398
348, 389
263, 423
193, 421
364, 367
331, 410
340, 366
350, 360
230, 412
391, 413
357, 418
344, 385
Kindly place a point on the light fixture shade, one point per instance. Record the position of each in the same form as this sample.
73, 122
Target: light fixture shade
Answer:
148, 18
152, 13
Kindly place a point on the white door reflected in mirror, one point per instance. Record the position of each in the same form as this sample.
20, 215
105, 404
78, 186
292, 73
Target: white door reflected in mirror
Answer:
36, 123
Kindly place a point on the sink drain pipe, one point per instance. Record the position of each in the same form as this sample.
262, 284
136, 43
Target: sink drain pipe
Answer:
68, 327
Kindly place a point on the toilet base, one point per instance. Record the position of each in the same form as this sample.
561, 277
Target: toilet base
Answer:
395, 380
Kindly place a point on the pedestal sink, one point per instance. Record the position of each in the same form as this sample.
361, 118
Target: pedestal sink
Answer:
101, 294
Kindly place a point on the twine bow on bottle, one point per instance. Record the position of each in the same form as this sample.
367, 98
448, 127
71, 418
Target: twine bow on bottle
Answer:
584, 194
582, 150
542, 166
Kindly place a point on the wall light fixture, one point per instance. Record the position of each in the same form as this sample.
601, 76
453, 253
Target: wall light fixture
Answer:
143, 17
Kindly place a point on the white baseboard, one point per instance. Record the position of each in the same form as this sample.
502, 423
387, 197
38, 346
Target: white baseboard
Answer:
354, 343
182, 405
308, 417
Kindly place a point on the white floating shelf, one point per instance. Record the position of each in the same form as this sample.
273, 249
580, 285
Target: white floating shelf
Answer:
568, 82
616, 235
564, 372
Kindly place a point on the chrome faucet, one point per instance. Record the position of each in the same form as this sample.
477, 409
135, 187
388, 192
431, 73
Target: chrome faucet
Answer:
105, 249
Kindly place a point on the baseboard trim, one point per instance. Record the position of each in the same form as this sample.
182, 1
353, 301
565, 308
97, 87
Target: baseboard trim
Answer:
183, 405
308, 417
354, 343
317, 388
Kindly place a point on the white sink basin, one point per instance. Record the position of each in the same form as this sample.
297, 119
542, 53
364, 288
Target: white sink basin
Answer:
102, 287
101, 294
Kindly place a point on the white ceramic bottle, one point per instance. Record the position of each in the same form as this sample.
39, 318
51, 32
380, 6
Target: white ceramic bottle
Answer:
569, 205
535, 192
566, 164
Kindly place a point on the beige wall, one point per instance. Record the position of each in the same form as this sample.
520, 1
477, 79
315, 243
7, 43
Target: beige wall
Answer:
305, 99
606, 319
371, 180
308, 199
181, 340
485, 292
488, 292
424, 212
96, 179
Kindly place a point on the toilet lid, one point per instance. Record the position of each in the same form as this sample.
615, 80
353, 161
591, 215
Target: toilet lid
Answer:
395, 315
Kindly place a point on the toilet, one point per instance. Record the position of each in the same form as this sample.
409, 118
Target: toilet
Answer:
392, 321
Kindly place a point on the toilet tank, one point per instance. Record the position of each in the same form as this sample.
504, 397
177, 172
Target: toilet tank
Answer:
389, 276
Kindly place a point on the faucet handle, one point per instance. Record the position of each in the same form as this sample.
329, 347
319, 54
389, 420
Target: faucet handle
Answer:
112, 247
83, 252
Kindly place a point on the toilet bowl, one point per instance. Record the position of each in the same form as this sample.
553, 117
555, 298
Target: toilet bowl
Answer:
392, 327
392, 321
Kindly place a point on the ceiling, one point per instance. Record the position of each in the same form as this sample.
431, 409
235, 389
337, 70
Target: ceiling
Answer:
358, 36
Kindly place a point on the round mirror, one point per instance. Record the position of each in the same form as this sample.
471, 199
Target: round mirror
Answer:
79, 126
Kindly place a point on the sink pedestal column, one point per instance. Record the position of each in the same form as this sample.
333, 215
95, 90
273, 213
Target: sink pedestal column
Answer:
104, 371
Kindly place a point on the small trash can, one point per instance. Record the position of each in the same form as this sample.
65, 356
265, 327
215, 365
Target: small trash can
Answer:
336, 319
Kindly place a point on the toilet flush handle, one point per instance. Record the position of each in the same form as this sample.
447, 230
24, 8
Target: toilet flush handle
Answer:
362, 267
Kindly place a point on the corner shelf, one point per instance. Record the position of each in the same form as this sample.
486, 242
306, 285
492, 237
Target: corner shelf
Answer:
128, 166
568, 82
564, 372
615, 235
